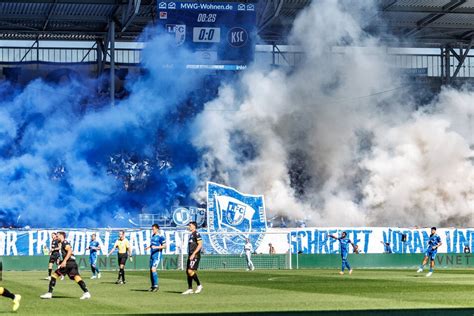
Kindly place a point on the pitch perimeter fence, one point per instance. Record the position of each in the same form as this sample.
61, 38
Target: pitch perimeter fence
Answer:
261, 261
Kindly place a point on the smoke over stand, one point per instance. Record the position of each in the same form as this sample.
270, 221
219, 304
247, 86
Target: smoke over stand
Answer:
339, 141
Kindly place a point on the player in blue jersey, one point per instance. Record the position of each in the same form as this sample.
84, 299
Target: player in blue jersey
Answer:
157, 244
433, 244
344, 243
93, 250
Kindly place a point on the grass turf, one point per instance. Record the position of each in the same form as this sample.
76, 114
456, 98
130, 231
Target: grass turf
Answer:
258, 291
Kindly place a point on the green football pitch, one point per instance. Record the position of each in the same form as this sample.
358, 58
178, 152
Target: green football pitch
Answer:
365, 292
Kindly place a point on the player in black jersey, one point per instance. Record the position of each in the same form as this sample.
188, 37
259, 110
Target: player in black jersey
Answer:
14, 297
68, 266
53, 254
194, 255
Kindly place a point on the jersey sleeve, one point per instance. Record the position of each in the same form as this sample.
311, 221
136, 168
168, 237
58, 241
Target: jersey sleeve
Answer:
67, 246
197, 236
116, 244
127, 244
162, 240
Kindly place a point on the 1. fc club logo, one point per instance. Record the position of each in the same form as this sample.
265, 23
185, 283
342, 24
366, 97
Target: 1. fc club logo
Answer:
232, 217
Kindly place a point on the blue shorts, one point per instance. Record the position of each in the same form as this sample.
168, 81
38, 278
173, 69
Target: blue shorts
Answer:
344, 255
93, 258
155, 261
430, 253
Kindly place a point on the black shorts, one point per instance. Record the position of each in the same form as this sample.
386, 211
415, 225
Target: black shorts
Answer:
71, 269
53, 258
122, 258
193, 264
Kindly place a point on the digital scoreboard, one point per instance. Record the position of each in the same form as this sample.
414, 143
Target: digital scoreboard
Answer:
221, 35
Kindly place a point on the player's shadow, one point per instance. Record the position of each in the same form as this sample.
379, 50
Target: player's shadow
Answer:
174, 292
139, 290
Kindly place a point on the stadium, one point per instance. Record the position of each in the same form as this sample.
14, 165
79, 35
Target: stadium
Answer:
293, 157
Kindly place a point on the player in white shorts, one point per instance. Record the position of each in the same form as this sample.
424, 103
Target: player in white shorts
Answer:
248, 249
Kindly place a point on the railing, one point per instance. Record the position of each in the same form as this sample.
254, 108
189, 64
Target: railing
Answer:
431, 64
146, 220
64, 55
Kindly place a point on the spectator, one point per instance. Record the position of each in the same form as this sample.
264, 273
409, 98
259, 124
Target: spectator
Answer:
271, 249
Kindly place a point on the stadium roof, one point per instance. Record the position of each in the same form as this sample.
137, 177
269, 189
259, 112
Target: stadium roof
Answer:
419, 23
424, 23
73, 19
88, 19
429, 23
275, 18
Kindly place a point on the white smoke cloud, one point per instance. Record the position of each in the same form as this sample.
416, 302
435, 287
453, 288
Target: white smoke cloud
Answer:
420, 170
336, 141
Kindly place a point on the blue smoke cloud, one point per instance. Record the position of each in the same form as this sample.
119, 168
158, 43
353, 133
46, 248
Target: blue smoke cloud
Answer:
66, 161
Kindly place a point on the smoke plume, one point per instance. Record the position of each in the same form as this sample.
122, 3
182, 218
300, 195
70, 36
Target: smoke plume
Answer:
339, 140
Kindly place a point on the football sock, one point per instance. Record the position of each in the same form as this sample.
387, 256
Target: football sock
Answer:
155, 278
52, 284
50, 271
190, 282
7, 293
83, 286
196, 279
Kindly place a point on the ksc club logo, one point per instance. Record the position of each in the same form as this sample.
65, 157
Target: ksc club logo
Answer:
237, 37
231, 216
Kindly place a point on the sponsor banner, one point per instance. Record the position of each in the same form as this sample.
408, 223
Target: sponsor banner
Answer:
217, 67
203, 6
372, 239
232, 217
422, 72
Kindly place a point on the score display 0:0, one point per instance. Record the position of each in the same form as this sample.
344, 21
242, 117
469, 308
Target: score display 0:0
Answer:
206, 35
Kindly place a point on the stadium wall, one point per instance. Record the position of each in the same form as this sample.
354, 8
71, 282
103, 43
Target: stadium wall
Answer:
278, 261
